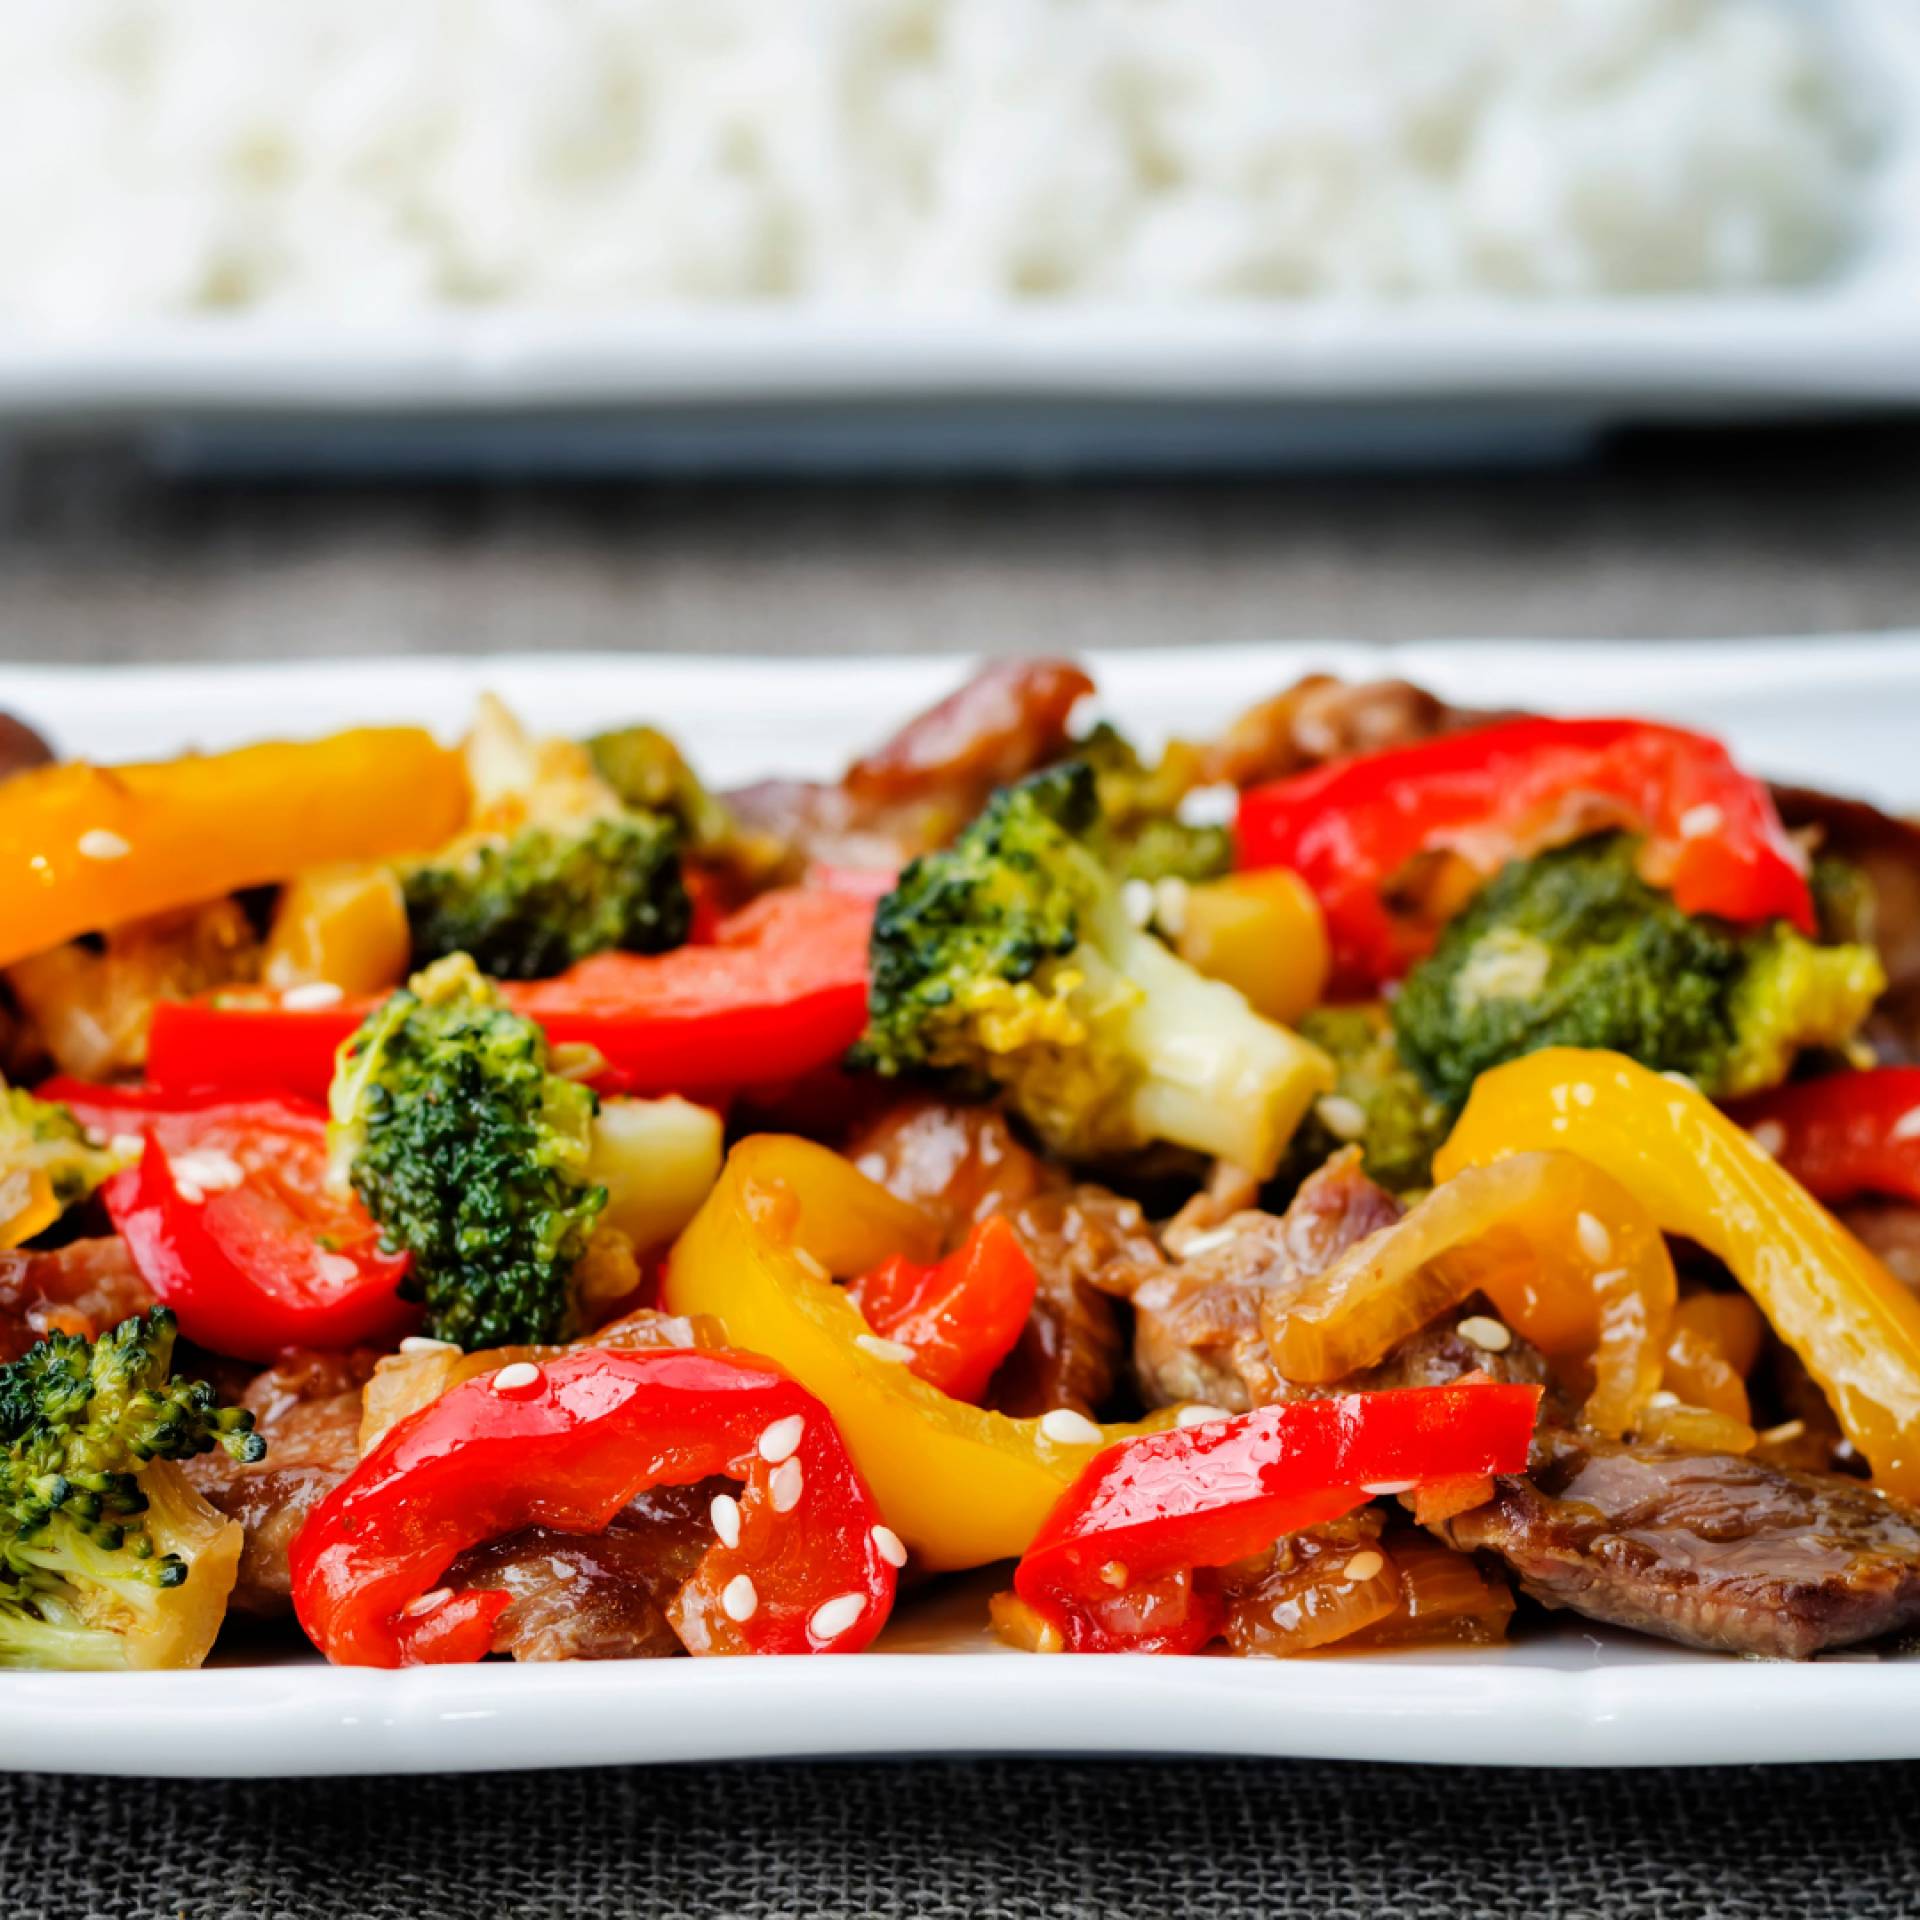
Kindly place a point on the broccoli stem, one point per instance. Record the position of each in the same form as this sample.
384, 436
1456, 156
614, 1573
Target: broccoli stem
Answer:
1214, 1075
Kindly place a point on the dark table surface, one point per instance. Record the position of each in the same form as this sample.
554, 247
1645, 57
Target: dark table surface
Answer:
1798, 532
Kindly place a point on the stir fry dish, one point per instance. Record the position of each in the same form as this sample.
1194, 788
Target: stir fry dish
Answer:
1373, 1179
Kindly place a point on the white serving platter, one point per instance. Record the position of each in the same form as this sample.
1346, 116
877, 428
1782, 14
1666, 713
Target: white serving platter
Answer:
1841, 709
824, 388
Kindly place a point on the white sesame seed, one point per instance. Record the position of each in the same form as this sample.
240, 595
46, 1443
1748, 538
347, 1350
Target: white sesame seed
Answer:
420, 1343
425, 1603
1380, 1489
1906, 1126
810, 1264
99, 843
784, 1485
781, 1438
1785, 1431
1136, 902
833, 1617
885, 1349
1486, 1333
1209, 1242
1663, 1399
739, 1598
890, 1547
725, 1515
516, 1377
1345, 1119
208, 1169
311, 995
1769, 1136
334, 1269
126, 1145
1170, 904
1364, 1566
1596, 1243
1697, 822
1069, 1428
1198, 1414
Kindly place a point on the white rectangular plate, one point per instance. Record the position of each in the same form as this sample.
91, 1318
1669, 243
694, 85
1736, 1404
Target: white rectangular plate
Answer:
817, 387
1842, 710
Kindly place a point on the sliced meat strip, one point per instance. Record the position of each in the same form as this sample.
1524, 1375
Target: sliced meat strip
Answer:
307, 1407
1074, 1349
596, 1596
1710, 1550
1197, 1333
917, 790
1322, 718
21, 747
962, 1164
84, 1287
1440, 1353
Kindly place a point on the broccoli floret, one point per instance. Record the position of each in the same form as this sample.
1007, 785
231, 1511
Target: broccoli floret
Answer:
471, 1154
108, 1558
1574, 949
1010, 959
532, 904
1377, 1102
1141, 835
43, 1147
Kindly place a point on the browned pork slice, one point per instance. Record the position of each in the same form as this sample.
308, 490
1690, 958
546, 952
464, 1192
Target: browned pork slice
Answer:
308, 1409
916, 791
962, 1164
1320, 719
84, 1287
1710, 1550
1197, 1332
596, 1596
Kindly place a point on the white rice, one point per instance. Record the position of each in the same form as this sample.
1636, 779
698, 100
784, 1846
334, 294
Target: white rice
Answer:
365, 157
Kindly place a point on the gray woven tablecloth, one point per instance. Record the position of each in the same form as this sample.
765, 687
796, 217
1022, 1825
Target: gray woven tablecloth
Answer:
975, 1841
1803, 532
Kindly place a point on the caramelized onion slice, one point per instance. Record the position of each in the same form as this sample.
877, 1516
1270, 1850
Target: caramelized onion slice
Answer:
1572, 1261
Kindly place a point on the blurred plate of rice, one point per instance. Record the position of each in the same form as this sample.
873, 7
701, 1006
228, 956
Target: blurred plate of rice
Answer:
829, 232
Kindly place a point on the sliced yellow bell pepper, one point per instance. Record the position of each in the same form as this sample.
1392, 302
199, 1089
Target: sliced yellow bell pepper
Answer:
344, 924
961, 1485
84, 847
1856, 1328
1261, 932
1572, 1261
28, 1204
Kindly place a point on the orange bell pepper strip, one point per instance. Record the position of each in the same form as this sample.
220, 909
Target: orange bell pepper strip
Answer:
961, 1485
1854, 1326
85, 847
1570, 1259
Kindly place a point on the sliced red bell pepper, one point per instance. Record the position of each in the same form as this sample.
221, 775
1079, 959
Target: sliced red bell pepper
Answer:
962, 1315
1120, 1564
230, 1218
1845, 1134
1713, 836
781, 989
566, 1443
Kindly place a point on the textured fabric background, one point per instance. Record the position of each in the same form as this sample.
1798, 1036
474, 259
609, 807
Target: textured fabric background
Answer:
980, 1841
1723, 535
